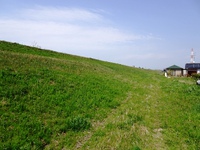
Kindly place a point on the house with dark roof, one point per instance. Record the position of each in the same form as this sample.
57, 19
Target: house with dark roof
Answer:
174, 70
192, 68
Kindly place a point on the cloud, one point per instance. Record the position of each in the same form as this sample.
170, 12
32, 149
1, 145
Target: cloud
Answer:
74, 24
61, 14
71, 30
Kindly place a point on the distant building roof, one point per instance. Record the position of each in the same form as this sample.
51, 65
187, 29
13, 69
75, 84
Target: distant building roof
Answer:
174, 67
192, 66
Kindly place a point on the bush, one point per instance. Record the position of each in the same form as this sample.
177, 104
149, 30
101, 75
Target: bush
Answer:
195, 75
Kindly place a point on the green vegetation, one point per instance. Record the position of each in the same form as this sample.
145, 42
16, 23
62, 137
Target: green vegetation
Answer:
195, 76
50, 100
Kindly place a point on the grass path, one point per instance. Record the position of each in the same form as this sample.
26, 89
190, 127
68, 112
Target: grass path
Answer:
147, 119
150, 117
134, 124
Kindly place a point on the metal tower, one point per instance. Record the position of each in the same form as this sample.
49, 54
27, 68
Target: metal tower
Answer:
192, 56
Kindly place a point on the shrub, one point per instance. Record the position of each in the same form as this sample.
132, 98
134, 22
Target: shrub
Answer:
195, 75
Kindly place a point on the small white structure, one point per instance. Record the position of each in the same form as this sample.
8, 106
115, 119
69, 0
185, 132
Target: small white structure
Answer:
198, 71
185, 72
165, 74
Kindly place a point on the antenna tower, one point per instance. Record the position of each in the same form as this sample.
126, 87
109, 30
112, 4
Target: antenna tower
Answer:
192, 56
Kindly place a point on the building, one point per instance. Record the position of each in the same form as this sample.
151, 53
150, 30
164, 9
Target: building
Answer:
174, 70
192, 68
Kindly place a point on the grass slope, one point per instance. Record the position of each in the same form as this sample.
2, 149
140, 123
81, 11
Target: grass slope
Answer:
50, 100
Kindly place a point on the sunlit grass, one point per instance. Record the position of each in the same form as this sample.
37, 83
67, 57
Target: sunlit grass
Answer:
50, 100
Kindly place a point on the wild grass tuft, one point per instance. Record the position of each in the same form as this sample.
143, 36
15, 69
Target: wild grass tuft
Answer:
77, 124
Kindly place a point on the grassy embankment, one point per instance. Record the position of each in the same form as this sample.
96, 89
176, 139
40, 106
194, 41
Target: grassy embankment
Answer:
50, 100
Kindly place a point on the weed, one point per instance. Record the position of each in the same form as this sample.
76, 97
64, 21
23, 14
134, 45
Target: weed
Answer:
77, 124
136, 148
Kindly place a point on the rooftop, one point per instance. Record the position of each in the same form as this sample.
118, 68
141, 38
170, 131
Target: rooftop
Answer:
174, 67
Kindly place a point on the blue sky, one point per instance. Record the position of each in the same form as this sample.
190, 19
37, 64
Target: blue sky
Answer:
152, 34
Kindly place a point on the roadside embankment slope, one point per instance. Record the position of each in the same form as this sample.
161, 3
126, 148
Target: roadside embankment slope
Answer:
50, 100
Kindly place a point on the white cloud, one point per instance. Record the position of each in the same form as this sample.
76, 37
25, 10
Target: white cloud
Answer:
71, 30
61, 14
67, 25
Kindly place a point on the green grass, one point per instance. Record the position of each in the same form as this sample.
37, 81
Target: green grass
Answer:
50, 100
